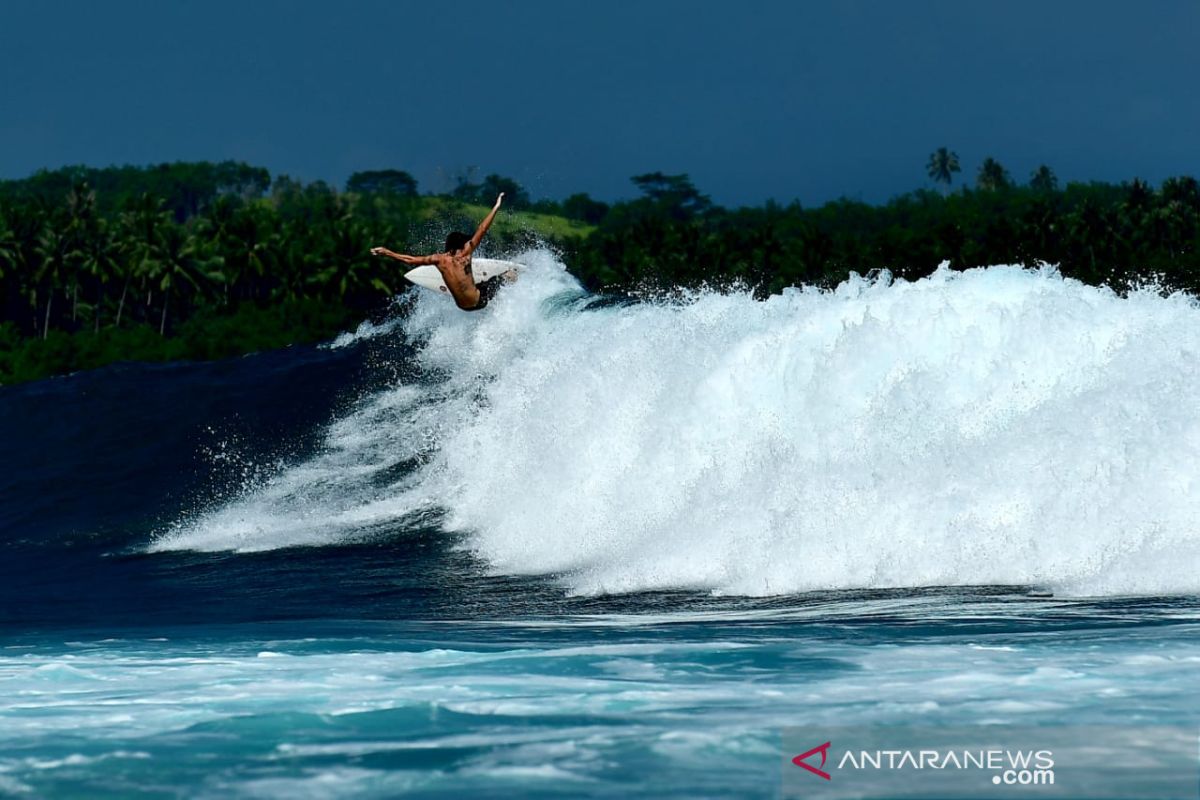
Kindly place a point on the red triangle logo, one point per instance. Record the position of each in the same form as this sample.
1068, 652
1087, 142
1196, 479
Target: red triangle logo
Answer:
823, 750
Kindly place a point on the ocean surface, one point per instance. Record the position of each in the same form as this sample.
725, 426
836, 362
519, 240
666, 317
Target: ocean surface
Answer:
577, 546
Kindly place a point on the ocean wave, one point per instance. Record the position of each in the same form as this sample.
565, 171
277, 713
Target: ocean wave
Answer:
993, 426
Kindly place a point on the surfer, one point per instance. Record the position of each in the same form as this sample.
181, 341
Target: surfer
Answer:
455, 265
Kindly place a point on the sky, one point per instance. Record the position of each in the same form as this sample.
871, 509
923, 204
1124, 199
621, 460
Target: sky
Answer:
755, 100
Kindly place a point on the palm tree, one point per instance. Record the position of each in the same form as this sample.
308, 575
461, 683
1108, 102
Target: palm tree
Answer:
53, 247
942, 166
992, 176
351, 271
296, 262
1184, 190
182, 262
19, 258
81, 227
9, 247
100, 264
10, 255
240, 234
141, 226
1139, 195
1043, 180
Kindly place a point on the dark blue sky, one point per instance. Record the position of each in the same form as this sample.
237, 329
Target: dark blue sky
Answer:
755, 100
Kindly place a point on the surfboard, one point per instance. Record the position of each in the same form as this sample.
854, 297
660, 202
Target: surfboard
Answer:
428, 276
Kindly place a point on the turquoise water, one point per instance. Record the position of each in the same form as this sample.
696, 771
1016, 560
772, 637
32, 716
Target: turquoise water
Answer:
572, 548
635, 702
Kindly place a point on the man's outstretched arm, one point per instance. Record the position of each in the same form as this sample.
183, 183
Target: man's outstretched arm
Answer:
483, 226
415, 261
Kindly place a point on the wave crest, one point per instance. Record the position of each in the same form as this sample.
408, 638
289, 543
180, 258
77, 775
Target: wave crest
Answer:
993, 426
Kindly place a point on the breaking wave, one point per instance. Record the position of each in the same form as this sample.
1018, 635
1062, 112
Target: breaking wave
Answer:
995, 426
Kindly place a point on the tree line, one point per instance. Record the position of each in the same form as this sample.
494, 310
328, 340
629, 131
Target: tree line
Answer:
1118, 235
201, 260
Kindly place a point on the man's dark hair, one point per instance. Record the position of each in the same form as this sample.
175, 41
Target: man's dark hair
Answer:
456, 241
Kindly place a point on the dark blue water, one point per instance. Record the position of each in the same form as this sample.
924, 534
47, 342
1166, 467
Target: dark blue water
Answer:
400, 660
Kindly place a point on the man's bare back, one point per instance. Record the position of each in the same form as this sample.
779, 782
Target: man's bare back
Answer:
455, 264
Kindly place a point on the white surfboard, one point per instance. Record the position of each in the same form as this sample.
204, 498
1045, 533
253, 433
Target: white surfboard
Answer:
428, 276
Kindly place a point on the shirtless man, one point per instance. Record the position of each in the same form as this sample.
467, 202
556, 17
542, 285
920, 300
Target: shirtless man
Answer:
455, 265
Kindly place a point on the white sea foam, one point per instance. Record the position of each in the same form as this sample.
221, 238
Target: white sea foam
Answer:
390, 717
994, 426
147, 693
365, 330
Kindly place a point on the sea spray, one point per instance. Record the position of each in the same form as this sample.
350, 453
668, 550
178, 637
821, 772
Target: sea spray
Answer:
993, 426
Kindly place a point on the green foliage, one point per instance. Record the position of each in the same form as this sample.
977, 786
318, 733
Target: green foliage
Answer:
383, 181
512, 230
1043, 180
992, 176
584, 208
210, 334
206, 261
200, 261
216, 334
485, 193
1099, 233
673, 194
186, 189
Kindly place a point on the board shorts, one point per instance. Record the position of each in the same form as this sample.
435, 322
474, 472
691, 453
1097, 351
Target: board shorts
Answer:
487, 290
